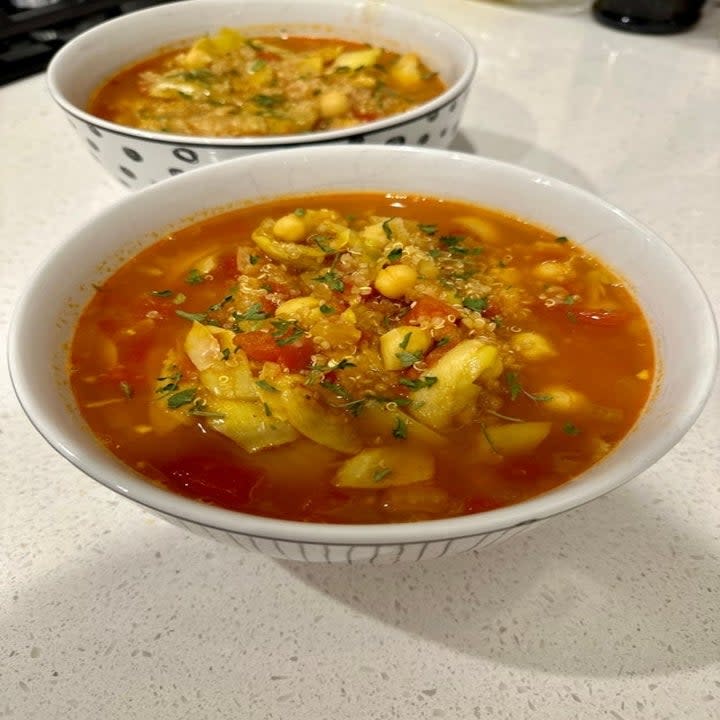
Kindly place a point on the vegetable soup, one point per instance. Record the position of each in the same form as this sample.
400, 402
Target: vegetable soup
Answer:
362, 358
231, 85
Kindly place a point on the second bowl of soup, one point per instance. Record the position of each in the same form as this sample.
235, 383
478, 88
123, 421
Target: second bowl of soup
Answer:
162, 91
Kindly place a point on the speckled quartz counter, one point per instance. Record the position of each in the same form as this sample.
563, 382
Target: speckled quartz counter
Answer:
611, 611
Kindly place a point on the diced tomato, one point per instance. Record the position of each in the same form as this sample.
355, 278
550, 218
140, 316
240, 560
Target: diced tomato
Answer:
490, 311
426, 308
263, 347
365, 116
210, 479
600, 318
450, 337
226, 269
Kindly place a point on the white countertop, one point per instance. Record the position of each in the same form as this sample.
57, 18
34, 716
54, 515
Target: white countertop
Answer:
610, 611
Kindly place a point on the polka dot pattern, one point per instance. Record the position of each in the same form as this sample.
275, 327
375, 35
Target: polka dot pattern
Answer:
186, 155
134, 155
137, 163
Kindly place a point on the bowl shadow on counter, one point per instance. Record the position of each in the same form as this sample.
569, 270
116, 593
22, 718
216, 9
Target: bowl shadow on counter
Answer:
608, 590
507, 133
518, 151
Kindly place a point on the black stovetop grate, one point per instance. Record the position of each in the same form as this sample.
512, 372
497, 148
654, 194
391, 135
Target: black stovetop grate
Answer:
32, 31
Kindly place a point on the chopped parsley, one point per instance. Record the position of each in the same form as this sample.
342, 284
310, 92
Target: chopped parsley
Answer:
267, 409
268, 101
381, 473
400, 430
408, 358
427, 229
257, 66
172, 385
194, 277
514, 385
220, 305
562, 239
162, 293
184, 397
444, 340
569, 300
254, 312
475, 304
195, 317
326, 309
225, 354
321, 242
395, 254
454, 245
426, 382
286, 332
265, 385
387, 229
570, 429
300, 212
253, 259
516, 389
332, 280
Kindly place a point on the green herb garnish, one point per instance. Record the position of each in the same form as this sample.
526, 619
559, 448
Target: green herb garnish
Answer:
427, 229
570, 429
253, 259
326, 309
194, 277
265, 385
162, 293
300, 212
562, 239
268, 101
475, 304
195, 317
184, 397
400, 429
254, 312
381, 473
332, 280
286, 332
426, 382
395, 254
387, 229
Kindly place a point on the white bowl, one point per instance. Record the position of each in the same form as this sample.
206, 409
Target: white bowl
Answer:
137, 158
678, 311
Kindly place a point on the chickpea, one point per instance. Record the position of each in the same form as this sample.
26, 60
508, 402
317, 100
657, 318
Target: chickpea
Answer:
289, 228
395, 280
333, 103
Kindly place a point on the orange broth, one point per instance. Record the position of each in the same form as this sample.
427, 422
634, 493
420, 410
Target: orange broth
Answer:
230, 85
567, 355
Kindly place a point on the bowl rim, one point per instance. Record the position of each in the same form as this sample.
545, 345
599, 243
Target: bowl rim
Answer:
563, 498
461, 45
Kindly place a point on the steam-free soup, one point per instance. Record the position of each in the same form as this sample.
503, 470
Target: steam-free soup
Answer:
232, 85
362, 358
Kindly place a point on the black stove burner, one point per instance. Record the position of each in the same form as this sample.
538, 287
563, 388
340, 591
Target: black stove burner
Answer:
32, 31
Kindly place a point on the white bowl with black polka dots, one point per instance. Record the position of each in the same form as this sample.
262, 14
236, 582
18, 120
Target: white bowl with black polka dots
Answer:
681, 321
137, 158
